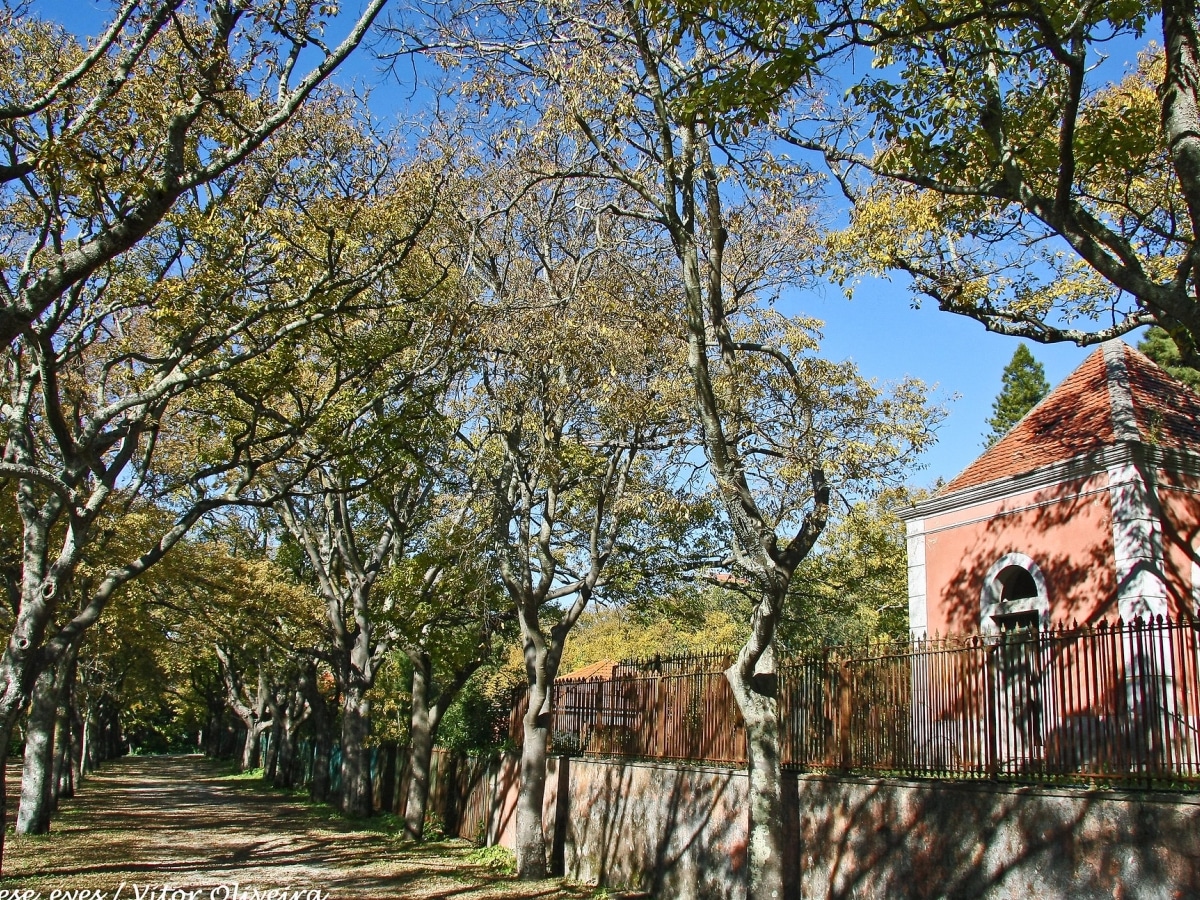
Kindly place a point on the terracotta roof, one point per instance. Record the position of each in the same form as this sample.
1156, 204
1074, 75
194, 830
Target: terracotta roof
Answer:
602, 669
1117, 394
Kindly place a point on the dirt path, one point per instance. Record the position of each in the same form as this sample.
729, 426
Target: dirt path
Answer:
143, 823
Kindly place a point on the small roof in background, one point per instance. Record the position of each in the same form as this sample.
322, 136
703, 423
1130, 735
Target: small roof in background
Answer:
602, 669
1117, 394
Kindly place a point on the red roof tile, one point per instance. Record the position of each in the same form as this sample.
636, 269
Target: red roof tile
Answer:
1084, 414
1168, 411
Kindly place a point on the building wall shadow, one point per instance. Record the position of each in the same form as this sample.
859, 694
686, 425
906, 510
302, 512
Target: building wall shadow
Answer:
678, 831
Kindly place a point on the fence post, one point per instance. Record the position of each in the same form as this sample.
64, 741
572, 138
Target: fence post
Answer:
660, 718
991, 716
845, 715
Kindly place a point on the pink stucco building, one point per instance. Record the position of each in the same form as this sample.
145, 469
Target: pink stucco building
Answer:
1088, 509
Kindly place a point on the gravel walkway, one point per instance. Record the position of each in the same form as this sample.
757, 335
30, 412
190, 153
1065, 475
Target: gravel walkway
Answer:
177, 828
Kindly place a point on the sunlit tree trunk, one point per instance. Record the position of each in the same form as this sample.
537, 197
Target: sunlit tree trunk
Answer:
531, 835
38, 773
758, 701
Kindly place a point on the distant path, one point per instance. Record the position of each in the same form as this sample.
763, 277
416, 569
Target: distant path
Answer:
150, 822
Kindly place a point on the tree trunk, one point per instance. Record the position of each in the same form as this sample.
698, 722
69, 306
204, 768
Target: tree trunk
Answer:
64, 769
387, 779
78, 726
420, 755
356, 769
114, 744
37, 775
15, 678
94, 736
250, 749
321, 715
757, 699
319, 787
6, 729
272, 759
291, 715
63, 772
531, 837
429, 704
284, 755
87, 742
212, 736
47, 742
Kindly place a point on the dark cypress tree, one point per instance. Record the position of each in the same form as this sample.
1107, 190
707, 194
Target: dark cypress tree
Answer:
1159, 347
1024, 385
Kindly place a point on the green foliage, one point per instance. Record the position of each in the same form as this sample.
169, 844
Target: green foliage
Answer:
254, 776
854, 586
496, 857
1024, 385
1015, 182
697, 620
469, 724
1159, 346
434, 828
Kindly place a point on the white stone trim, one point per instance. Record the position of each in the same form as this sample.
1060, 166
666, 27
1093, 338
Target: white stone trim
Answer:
918, 601
1195, 583
990, 604
1137, 544
1120, 398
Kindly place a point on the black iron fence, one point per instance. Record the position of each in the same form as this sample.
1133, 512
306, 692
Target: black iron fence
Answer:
1107, 702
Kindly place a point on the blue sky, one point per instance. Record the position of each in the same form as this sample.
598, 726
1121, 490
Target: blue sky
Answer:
888, 339
879, 329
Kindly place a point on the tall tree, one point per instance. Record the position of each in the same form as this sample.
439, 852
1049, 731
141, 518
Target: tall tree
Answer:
156, 380
451, 618
361, 510
574, 414
1023, 385
780, 429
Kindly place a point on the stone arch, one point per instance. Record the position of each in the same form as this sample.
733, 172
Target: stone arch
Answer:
1014, 589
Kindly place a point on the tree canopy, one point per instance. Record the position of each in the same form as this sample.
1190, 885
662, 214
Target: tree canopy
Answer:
989, 151
607, 94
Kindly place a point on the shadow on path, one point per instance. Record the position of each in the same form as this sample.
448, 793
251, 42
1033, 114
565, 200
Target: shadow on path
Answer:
180, 821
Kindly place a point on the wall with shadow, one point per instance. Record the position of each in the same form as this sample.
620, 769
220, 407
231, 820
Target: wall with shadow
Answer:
877, 838
674, 831
668, 830
1179, 496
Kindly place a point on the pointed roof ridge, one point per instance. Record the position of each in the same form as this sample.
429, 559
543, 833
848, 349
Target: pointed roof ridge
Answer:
1116, 395
1120, 396
600, 669
1167, 410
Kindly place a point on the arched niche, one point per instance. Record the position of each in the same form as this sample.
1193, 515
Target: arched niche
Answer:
1014, 595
